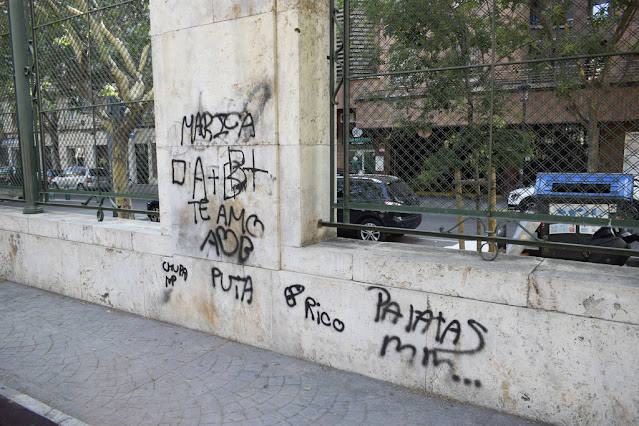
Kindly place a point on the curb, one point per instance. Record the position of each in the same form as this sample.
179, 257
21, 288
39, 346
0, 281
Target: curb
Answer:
33, 406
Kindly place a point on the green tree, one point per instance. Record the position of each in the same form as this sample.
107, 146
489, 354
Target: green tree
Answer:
453, 39
585, 84
99, 57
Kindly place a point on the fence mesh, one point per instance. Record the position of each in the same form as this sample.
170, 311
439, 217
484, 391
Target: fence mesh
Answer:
494, 108
10, 159
94, 77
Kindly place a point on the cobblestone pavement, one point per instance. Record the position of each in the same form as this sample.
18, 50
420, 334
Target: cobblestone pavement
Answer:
106, 367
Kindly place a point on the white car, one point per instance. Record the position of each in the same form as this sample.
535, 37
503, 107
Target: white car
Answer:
519, 199
82, 178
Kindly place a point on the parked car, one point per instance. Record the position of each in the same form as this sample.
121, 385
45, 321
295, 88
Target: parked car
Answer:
153, 205
49, 175
378, 189
83, 178
52, 173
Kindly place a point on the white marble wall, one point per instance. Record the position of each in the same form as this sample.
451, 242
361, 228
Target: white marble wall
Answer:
549, 340
241, 98
241, 190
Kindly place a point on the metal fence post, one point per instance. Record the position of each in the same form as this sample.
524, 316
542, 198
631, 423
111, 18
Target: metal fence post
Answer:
22, 74
346, 112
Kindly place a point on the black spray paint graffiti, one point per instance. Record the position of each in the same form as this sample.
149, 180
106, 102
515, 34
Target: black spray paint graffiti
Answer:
311, 308
233, 234
235, 177
422, 322
243, 285
205, 126
234, 229
235, 173
174, 271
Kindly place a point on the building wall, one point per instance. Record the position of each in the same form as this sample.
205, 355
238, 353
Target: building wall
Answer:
239, 252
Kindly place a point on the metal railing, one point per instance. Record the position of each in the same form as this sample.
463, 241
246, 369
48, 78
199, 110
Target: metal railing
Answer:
88, 66
483, 115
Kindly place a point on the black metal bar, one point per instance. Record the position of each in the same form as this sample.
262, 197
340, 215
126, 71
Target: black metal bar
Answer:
456, 236
87, 207
83, 13
500, 64
541, 217
138, 196
139, 101
38, 102
493, 48
346, 111
332, 107
22, 75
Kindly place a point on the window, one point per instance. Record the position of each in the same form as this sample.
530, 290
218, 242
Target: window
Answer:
554, 15
599, 9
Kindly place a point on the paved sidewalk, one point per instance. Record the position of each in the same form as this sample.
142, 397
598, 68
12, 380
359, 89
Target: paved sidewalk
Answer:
106, 367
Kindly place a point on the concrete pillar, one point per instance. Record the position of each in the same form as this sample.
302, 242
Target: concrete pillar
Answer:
241, 110
303, 99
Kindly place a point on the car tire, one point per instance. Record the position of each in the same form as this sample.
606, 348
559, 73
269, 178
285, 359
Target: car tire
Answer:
368, 235
80, 187
155, 217
53, 185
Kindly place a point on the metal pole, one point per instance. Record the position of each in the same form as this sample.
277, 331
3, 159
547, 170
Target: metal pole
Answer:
346, 113
492, 176
332, 106
22, 76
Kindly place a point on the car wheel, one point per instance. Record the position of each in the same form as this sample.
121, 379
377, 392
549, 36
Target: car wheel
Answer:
81, 187
53, 185
155, 217
370, 235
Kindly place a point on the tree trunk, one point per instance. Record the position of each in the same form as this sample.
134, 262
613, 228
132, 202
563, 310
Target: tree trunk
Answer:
120, 168
55, 140
593, 142
460, 205
478, 205
50, 126
492, 206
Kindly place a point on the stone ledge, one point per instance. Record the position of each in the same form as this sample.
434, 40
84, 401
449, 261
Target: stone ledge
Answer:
203, 13
585, 289
576, 288
143, 237
431, 270
590, 290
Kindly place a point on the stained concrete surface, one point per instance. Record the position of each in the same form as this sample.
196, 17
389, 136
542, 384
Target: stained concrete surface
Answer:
108, 367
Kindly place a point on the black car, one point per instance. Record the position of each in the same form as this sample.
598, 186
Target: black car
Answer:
9, 176
153, 205
378, 189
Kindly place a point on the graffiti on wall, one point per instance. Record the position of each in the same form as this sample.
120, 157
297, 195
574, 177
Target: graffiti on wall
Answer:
232, 234
228, 127
239, 286
441, 336
313, 310
231, 231
204, 180
173, 271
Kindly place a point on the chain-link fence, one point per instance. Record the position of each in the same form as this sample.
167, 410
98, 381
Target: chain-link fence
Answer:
95, 99
10, 159
489, 109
